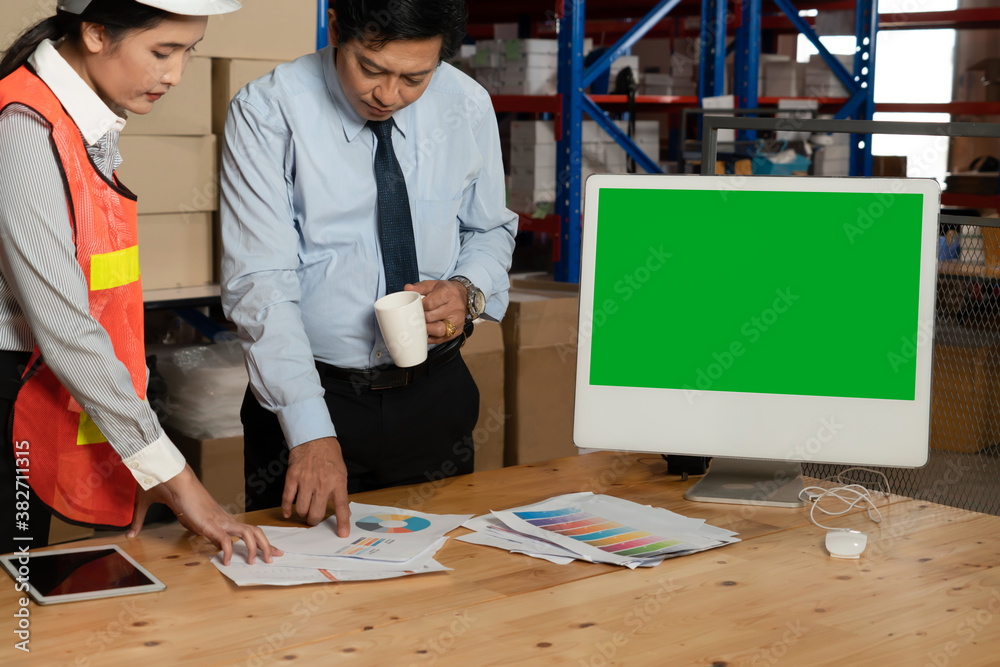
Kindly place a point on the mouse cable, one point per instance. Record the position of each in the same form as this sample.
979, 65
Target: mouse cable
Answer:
849, 495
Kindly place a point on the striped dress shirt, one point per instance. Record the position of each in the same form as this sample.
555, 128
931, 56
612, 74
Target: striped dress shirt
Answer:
44, 297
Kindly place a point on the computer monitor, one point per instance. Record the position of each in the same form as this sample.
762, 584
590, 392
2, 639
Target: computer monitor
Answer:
762, 321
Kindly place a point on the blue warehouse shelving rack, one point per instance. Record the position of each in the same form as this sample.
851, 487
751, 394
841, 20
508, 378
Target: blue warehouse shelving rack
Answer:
742, 20
715, 17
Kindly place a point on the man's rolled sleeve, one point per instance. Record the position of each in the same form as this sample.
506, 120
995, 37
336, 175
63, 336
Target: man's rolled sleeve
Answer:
260, 288
487, 226
306, 421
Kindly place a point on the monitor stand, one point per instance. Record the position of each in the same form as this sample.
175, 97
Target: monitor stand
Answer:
749, 482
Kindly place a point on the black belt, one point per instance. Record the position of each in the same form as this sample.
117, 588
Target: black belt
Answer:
391, 376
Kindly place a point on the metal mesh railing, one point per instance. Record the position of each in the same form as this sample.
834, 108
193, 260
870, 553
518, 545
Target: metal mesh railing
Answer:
964, 465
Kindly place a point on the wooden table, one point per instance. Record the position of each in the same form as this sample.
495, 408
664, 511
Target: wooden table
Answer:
926, 592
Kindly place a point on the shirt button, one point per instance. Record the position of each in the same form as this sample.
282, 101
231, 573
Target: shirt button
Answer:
134, 465
378, 355
149, 481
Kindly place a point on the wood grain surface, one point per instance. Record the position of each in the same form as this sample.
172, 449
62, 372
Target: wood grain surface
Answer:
925, 593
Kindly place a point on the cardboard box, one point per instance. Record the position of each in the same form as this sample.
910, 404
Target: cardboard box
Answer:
534, 156
263, 30
531, 132
176, 250
218, 463
539, 335
185, 110
170, 174
889, 166
61, 532
229, 76
16, 16
990, 79
964, 415
483, 354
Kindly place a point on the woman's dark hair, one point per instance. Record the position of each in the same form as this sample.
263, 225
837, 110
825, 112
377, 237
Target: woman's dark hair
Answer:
375, 23
118, 17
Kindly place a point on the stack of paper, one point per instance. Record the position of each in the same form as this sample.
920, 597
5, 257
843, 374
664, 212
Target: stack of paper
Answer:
596, 528
385, 542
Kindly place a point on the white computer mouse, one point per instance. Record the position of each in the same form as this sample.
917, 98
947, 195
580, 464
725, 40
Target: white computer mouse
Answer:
845, 543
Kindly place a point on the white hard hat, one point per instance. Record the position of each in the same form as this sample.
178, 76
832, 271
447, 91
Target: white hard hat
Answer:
185, 7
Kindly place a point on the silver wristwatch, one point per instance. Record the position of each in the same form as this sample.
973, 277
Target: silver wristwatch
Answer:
476, 302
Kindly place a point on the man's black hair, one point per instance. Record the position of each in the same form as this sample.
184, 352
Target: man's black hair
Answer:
375, 23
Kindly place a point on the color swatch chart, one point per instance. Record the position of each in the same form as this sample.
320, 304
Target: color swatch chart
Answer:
363, 546
599, 532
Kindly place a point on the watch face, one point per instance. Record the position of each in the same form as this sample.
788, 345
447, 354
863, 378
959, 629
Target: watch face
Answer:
479, 301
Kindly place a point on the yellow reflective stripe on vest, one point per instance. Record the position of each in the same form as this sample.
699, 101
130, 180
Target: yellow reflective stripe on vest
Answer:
88, 433
114, 269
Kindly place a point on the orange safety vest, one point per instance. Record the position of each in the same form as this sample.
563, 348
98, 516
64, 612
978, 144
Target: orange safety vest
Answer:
74, 470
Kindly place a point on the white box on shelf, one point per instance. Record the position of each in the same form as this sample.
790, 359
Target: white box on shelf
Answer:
535, 156
655, 83
722, 102
532, 132
526, 199
621, 63
490, 78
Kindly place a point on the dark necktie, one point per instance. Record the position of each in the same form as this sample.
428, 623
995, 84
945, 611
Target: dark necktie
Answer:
399, 252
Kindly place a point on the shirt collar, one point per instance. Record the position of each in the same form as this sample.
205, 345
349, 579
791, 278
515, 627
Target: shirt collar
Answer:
91, 115
352, 121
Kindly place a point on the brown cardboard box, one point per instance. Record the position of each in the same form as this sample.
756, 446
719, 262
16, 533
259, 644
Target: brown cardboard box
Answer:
263, 29
218, 463
175, 250
990, 79
170, 174
964, 415
229, 75
889, 166
185, 110
16, 16
60, 531
539, 335
483, 354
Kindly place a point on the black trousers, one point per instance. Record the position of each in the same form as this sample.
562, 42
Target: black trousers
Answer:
22, 515
390, 437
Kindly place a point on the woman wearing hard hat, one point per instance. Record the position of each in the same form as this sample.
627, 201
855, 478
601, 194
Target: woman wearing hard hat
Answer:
72, 366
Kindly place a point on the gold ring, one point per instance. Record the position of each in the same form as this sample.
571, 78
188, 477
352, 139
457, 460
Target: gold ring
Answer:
449, 328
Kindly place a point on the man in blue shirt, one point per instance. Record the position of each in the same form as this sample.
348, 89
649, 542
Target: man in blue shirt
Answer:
326, 412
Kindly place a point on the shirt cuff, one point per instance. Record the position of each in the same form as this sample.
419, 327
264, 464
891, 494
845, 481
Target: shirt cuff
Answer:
306, 421
496, 295
157, 462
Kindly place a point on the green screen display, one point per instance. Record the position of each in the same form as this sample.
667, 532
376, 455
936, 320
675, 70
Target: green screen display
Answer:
807, 293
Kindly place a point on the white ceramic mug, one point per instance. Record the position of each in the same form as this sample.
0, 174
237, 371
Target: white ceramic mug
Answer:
401, 317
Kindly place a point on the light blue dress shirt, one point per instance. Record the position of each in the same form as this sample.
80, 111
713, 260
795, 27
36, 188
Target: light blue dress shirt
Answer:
301, 268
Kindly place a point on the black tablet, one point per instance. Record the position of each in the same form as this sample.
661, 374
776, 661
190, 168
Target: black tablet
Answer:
84, 573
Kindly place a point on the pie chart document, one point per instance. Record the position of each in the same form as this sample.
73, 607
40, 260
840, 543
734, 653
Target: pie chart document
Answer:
377, 533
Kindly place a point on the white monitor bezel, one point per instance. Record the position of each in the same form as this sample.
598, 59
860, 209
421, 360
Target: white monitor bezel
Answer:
757, 426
